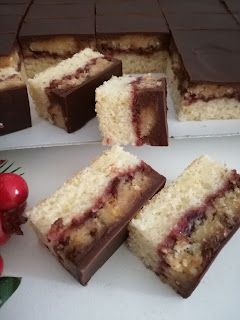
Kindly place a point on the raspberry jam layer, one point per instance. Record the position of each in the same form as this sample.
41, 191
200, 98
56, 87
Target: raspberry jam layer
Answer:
59, 233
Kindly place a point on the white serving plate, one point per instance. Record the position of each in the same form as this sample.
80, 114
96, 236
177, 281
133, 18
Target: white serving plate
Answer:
123, 288
44, 134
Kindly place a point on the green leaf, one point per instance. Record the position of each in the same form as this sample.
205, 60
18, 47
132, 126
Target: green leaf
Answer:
5, 166
8, 285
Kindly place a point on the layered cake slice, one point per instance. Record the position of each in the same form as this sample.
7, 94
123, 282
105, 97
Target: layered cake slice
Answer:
181, 230
134, 31
54, 31
65, 94
204, 74
132, 110
86, 219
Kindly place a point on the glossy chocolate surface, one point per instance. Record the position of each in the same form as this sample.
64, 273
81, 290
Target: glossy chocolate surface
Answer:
14, 110
209, 56
233, 5
50, 27
12, 9
46, 11
9, 24
119, 7
199, 21
198, 6
129, 16
131, 23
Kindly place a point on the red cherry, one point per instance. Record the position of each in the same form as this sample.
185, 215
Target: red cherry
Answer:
3, 236
13, 191
1, 265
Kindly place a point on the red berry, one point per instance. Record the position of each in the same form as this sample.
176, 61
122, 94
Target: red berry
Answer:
1, 265
13, 191
3, 236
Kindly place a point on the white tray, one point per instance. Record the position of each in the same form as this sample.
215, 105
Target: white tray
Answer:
44, 134
123, 289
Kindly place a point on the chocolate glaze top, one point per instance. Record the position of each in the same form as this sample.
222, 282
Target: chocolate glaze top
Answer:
119, 7
50, 27
9, 24
209, 55
15, 1
40, 11
232, 5
131, 23
196, 21
7, 43
12, 9
62, 1
198, 6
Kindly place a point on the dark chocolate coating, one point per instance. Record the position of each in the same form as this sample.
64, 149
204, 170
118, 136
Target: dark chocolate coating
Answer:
120, 7
232, 5
157, 99
198, 6
15, 2
111, 241
14, 110
64, 11
198, 21
209, 55
51, 27
12, 9
78, 105
9, 24
7, 42
132, 23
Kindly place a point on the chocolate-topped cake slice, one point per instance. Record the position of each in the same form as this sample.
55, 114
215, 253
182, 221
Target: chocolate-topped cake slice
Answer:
85, 221
65, 94
204, 74
132, 110
134, 31
55, 31
180, 231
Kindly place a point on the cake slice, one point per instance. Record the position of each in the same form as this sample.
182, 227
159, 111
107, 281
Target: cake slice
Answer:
134, 31
132, 110
86, 219
182, 229
54, 31
65, 94
14, 104
203, 80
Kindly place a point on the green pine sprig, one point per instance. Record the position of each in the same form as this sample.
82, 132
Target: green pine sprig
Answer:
8, 285
7, 167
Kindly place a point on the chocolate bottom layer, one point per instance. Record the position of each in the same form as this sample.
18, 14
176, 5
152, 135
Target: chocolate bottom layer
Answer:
106, 227
190, 248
